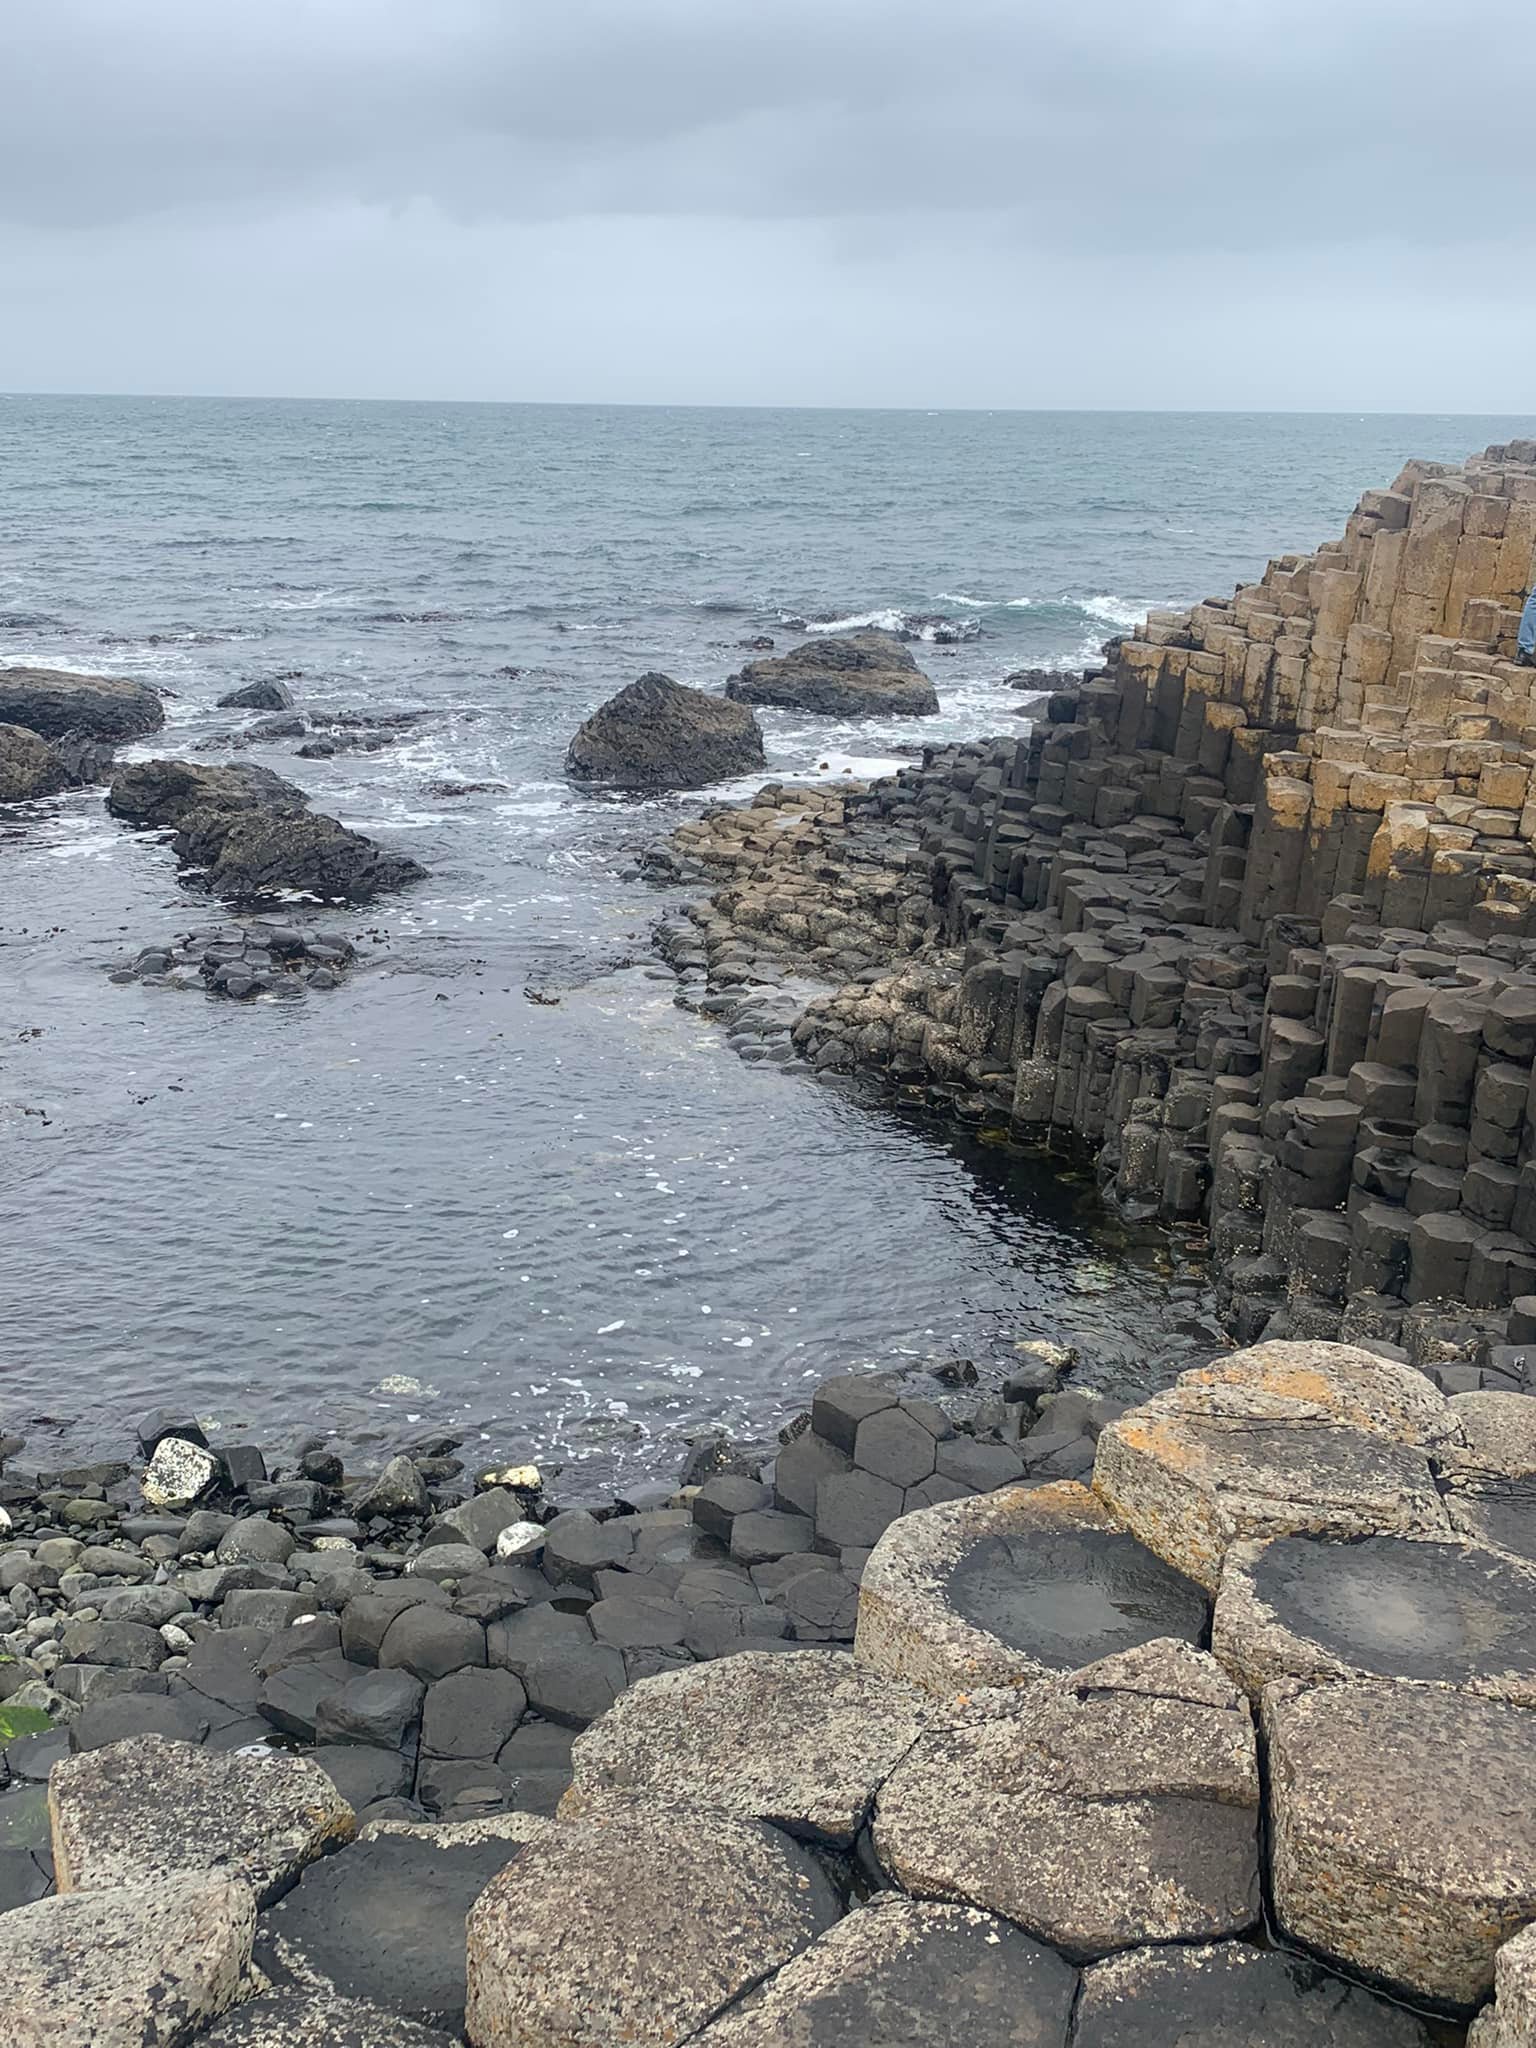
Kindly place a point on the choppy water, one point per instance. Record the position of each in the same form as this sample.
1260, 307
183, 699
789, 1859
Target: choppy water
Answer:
585, 1228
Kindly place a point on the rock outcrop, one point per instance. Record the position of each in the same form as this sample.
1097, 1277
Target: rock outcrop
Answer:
251, 834
844, 675
1251, 913
268, 694
31, 766
658, 734
53, 702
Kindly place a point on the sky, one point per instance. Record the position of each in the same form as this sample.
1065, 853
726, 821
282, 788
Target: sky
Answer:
1248, 204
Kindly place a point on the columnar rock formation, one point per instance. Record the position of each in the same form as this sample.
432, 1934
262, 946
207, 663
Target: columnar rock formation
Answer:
1251, 911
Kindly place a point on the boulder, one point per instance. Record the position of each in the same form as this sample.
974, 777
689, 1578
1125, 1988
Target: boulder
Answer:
385, 1921
398, 1490
306, 2019
1228, 1995
1004, 1587
1450, 1613
824, 1736
162, 793
658, 734
843, 675
266, 695
926, 1976
138, 1967
635, 1925
29, 766
124, 1814
1281, 1439
179, 1473
1116, 1806
53, 702
1402, 1824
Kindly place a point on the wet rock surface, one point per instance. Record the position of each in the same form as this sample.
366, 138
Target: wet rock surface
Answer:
32, 767
1005, 1587
261, 957
658, 734
54, 703
1444, 1612
841, 675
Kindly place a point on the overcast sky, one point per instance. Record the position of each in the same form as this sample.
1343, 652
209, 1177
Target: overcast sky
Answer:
1247, 203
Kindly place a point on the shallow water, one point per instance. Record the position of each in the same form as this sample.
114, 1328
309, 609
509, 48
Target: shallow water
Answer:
424, 1201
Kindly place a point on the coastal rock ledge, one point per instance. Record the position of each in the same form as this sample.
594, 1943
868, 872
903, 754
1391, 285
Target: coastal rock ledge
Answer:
54, 702
1026, 1806
842, 675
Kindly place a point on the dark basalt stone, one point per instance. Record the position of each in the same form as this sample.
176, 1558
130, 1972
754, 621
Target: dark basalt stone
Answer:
1067, 1597
847, 675
1402, 1609
1228, 1995
658, 734
384, 1920
53, 703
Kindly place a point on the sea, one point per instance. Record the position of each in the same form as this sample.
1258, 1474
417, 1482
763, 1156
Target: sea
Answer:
578, 1229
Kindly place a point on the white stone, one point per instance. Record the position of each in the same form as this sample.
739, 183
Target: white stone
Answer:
522, 1539
179, 1473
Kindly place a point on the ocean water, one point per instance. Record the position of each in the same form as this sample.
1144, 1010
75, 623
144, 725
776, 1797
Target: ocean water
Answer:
423, 1202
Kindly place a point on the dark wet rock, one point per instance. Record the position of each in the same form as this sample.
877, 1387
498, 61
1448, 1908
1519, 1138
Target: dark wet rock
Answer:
366, 1619
378, 1707
139, 1968
824, 1735
130, 1714
125, 1814
1117, 1805
163, 793
1402, 1829
364, 1776
302, 2019
446, 788
537, 1762
844, 675
480, 1520
928, 1976
384, 1920
1228, 1995
29, 766
53, 703
658, 734
1452, 1613
399, 1490
430, 1642
1000, 1588
471, 1714
595, 1935
268, 694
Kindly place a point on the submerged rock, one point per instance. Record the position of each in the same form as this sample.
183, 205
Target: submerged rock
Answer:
853, 675
53, 702
658, 734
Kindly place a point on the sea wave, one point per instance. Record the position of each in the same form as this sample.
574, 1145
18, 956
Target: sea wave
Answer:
934, 627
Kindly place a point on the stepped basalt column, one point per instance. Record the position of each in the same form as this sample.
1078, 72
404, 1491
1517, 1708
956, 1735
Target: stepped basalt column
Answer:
1252, 912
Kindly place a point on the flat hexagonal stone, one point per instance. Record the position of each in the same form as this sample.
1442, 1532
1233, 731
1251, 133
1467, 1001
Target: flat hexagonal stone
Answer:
1002, 1588
138, 1968
1229, 1995
1449, 1613
802, 1741
304, 2019
384, 1921
635, 1924
1282, 1439
1402, 1829
926, 1976
1116, 1806
126, 1814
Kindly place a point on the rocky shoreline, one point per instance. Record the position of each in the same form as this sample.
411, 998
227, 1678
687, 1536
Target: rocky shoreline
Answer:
1208, 1719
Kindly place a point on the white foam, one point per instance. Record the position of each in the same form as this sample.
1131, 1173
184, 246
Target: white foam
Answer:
1114, 611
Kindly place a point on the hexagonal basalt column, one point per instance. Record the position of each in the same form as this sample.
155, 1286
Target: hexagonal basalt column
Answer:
1402, 1829
1281, 1439
1006, 1588
1451, 1614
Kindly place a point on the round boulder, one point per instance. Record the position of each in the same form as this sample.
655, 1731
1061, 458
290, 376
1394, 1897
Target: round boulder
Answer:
1450, 1613
1001, 1588
635, 1925
29, 767
1116, 1806
803, 1741
842, 675
54, 702
927, 1976
1228, 1995
1402, 1829
658, 734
